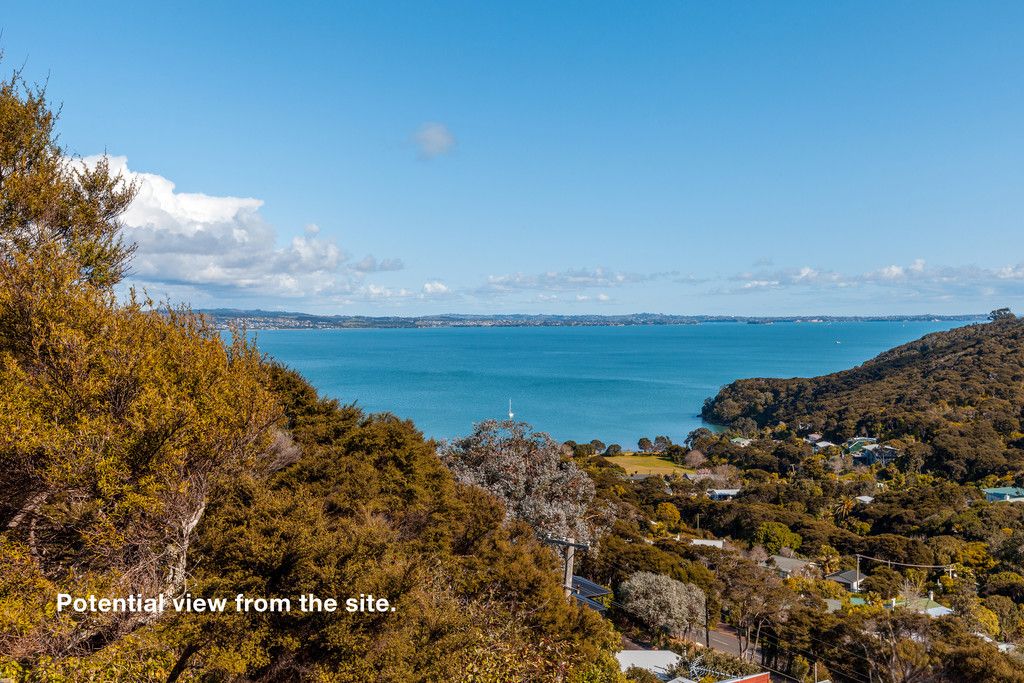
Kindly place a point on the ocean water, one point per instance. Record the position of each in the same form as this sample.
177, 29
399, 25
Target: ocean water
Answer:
616, 384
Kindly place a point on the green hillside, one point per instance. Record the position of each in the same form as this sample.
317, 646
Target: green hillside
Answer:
954, 397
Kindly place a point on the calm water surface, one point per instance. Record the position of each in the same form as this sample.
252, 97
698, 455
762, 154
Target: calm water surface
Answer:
612, 383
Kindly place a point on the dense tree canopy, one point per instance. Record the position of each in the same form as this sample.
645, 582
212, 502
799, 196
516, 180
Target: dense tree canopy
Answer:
957, 395
140, 453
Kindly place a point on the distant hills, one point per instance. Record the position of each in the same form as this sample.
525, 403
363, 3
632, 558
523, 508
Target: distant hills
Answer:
260, 319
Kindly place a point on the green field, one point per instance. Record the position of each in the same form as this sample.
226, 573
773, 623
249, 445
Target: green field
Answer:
635, 463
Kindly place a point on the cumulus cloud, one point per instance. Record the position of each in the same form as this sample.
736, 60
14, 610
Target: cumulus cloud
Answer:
435, 287
200, 242
915, 279
434, 140
371, 264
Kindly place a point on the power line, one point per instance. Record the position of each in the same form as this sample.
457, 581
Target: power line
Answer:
785, 647
944, 567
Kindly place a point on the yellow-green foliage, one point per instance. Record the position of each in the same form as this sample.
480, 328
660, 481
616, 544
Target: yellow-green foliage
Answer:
139, 453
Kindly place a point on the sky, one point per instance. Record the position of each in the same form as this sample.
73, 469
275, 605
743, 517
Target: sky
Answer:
392, 158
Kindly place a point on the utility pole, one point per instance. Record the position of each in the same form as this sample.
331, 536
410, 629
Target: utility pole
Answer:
569, 546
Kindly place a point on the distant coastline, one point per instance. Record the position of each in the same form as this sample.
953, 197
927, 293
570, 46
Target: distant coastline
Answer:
287, 320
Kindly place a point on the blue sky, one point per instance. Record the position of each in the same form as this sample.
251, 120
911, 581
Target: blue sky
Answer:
683, 157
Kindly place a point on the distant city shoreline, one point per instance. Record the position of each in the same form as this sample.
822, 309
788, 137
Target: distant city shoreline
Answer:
286, 320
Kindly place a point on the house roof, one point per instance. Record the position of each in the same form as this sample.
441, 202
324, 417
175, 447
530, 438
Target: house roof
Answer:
848, 576
592, 604
789, 564
723, 492
927, 606
1012, 491
655, 661
865, 499
588, 589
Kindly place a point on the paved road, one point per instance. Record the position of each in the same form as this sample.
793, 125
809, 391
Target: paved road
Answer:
725, 641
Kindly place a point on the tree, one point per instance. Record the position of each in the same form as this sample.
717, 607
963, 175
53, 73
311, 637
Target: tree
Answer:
828, 558
613, 449
116, 421
694, 459
525, 470
644, 445
775, 536
636, 674
668, 514
663, 604
1001, 314
888, 583
676, 453
699, 438
661, 443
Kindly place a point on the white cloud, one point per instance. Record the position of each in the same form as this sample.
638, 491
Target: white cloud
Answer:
435, 287
565, 280
433, 140
198, 242
916, 280
370, 264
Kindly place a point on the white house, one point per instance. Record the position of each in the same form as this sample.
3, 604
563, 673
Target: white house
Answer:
722, 494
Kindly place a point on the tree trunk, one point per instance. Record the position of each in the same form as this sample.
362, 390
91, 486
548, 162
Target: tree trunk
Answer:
179, 666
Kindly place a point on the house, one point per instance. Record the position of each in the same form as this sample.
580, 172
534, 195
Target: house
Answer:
813, 438
790, 567
865, 500
923, 606
658, 662
851, 579
711, 543
1004, 494
722, 494
929, 607
874, 453
857, 444
821, 445
741, 442
585, 592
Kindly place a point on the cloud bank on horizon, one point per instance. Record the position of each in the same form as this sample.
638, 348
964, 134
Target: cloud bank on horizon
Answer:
214, 251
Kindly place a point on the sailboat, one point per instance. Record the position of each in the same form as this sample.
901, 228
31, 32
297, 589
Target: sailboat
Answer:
510, 413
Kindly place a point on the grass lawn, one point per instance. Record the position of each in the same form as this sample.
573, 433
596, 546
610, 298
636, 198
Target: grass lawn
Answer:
635, 463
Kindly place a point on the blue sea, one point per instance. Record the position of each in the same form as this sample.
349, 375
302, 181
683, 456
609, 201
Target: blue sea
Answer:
616, 384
